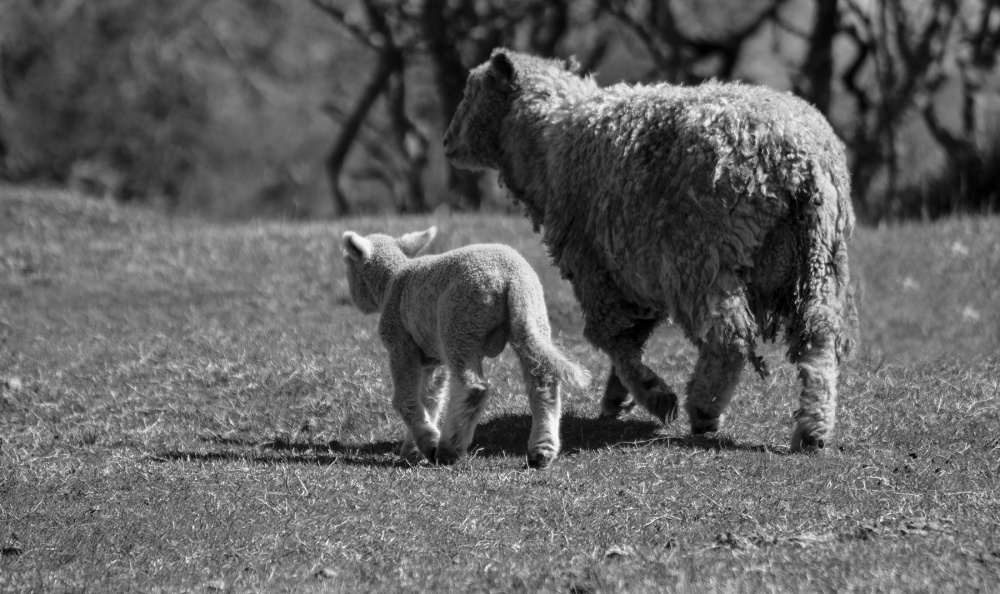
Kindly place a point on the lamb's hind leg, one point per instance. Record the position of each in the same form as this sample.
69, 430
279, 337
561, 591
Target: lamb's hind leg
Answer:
545, 402
466, 403
408, 387
723, 350
434, 382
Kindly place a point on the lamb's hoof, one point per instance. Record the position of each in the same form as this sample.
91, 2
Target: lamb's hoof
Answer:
429, 449
408, 452
807, 442
541, 460
446, 456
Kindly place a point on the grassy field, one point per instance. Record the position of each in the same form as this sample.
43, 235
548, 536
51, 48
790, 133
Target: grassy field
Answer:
188, 407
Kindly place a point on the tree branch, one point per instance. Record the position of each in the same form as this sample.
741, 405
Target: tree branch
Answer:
386, 65
341, 18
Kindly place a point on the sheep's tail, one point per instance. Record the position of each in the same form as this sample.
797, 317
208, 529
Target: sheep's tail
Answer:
825, 281
531, 339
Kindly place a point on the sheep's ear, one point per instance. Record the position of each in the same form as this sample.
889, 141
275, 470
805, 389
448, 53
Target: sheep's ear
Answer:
501, 69
356, 247
414, 244
572, 65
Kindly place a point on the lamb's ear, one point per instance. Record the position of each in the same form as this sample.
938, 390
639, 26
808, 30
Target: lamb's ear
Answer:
356, 247
414, 244
501, 73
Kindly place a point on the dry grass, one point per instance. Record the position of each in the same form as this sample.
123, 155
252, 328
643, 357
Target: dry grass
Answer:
188, 407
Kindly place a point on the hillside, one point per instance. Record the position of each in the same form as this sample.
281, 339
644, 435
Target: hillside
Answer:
194, 406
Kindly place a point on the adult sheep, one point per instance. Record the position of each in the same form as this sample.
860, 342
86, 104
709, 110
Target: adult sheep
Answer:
725, 207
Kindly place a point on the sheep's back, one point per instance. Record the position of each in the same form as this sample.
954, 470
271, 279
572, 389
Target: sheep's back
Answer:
674, 184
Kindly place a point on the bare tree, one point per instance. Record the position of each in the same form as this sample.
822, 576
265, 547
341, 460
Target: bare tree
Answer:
906, 51
977, 183
678, 55
387, 33
815, 80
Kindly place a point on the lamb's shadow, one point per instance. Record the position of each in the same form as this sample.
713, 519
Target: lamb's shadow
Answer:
287, 451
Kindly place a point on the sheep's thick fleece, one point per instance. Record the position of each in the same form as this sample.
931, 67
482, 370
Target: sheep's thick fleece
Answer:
725, 207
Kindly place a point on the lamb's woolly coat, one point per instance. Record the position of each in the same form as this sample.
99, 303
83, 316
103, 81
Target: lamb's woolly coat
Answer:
452, 310
725, 207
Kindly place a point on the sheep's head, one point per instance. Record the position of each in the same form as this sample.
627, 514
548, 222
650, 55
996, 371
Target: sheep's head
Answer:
473, 137
371, 261
473, 140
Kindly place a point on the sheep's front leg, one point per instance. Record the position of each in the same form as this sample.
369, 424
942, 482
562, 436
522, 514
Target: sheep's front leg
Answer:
726, 341
629, 374
712, 385
407, 399
616, 397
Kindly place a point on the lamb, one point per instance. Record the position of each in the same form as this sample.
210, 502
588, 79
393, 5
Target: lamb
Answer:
452, 310
724, 207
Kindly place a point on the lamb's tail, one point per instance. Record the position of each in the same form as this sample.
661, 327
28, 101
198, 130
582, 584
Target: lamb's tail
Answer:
531, 339
551, 360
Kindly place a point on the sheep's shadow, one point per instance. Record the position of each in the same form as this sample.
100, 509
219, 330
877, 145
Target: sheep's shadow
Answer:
508, 435
499, 437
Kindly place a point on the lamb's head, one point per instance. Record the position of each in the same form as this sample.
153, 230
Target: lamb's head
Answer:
473, 139
372, 261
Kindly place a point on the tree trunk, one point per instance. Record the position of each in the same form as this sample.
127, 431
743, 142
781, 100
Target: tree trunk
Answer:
450, 75
411, 145
389, 61
818, 69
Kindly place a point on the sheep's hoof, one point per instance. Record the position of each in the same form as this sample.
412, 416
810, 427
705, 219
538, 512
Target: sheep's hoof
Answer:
806, 442
662, 405
541, 460
700, 426
611, 410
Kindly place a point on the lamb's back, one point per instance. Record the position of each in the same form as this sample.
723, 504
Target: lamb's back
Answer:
463, 288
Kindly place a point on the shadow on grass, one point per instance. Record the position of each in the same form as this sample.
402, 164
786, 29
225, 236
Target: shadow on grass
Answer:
508, 435
504, 436
284, 451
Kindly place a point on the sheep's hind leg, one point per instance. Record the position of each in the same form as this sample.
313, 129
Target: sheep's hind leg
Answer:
546, 408
468, 395
818, 370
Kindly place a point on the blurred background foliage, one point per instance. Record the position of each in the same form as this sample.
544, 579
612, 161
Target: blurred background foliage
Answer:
319, 108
